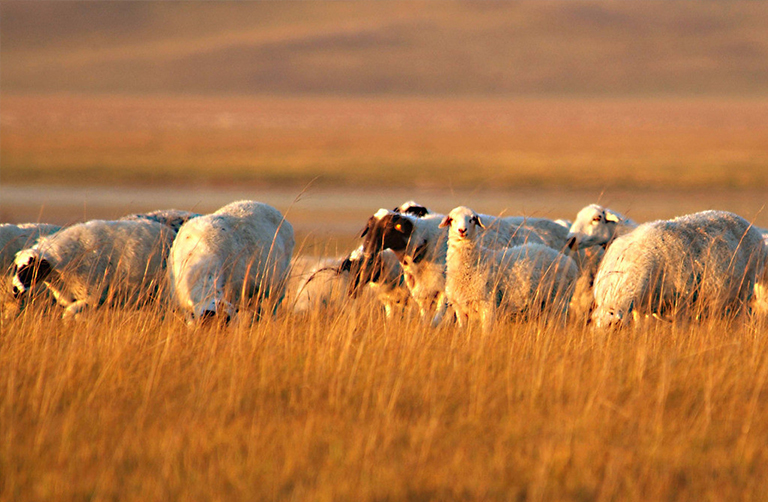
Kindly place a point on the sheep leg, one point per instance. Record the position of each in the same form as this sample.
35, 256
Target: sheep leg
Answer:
63, 298
486, 317
442, 306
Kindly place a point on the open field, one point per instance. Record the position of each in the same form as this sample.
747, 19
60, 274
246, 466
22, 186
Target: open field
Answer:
329, 111
131, 405
447, 143
343, 405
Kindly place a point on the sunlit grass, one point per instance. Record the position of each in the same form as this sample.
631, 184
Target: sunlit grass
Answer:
134, 405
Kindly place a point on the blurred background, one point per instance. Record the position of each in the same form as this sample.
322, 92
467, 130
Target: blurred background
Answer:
329, 110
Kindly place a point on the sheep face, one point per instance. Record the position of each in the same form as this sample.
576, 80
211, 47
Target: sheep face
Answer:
594, 226
199, 282
612, 316
384, 230
202, 289
463, 223
29, 269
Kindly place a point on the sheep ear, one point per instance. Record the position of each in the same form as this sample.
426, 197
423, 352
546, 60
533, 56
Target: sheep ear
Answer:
446, 222
480, 222
611, 217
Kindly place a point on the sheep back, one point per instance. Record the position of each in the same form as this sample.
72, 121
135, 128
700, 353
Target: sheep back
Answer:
105, 261
241, 252
699, 263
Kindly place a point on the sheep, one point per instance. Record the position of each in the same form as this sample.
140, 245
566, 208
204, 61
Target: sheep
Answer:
702, 263
97, 262
421, 245
413, 208
522, 280
173, 218
597, 226
318, 286
587, 260
14, 238
553, 233
237, 256
325, 284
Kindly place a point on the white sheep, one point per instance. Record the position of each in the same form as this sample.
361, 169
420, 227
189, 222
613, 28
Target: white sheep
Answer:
421, 245
587, 260
237, 256
85, 265
553, 233
597, 226
173, 218
703, 263
523, 280
326, 283
14, 238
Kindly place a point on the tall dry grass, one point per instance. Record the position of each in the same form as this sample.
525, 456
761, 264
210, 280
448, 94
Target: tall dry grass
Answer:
340, 405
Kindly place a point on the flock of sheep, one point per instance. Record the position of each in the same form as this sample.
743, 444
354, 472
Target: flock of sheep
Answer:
461, 267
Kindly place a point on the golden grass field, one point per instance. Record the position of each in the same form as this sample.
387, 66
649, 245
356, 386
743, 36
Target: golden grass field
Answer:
134, 405
328, 111
341, 405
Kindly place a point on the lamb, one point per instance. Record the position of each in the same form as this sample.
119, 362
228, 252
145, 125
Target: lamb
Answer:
698, 264
237, 256
14, 238
97, 262
173, 218
421, 245
597, 226
523, 280
327, 282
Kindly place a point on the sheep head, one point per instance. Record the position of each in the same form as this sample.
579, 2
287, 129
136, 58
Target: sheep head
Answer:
29, 268
594, 226
384, 230
463, 223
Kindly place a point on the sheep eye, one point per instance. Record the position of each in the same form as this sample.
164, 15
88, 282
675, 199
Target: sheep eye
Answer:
399, 227
596, 219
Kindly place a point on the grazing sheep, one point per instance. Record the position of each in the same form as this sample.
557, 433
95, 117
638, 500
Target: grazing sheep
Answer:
521, 280
317, 287
703, 263
551, 232
327, 282
14, 238
597, 226
421, 245
97, 262
238, 255
173, 218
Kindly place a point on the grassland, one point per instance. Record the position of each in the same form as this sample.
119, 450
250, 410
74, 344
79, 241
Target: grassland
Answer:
445, 143
539, 108
133, 405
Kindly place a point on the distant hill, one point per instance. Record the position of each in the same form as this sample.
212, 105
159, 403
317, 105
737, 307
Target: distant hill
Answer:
385, 48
